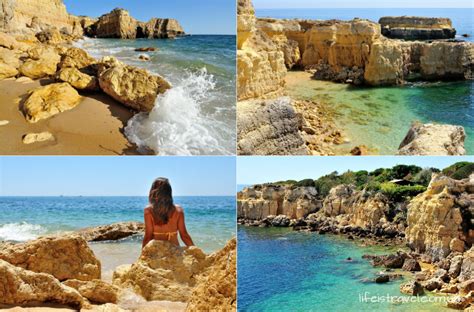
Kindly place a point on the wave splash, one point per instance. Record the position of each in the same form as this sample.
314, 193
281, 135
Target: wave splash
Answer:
21, 232
177, 124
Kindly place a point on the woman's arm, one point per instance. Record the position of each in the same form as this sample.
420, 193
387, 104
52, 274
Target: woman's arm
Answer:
148, 228
183, 233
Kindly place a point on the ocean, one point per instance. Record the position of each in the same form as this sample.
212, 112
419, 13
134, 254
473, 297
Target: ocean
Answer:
380, 117
210, 221
282, 270
196, 116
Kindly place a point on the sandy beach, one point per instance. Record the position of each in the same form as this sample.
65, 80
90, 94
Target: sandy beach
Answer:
94, 127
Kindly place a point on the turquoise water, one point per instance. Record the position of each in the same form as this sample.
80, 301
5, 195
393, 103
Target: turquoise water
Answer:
281, 270
461, 18
195, 117
210, 220
380, 117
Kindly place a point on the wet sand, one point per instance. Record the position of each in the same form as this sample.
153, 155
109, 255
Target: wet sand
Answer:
94, 127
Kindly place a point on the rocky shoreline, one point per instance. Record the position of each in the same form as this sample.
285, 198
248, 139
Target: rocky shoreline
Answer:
358, 52
64, 270
434, 229
38, 47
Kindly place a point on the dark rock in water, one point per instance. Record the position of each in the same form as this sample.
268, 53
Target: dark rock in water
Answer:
433, 283
382, 279
417, 28
350, 237
146, 49
466, 35
112, 231
412, 288
349, 259
411, 265
280, 221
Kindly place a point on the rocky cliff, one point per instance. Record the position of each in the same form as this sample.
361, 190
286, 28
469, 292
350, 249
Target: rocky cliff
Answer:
417, 28
26, 16
260, 62
356, 51
440, 219
260, 201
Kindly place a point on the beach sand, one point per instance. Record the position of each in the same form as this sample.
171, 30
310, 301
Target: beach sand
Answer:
94, 127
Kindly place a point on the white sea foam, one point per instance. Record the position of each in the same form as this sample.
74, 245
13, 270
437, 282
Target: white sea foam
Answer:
177, 124
20, 232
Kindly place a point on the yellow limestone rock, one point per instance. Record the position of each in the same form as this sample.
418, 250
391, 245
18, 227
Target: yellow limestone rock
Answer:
50, 100
96, 291
78, 79
31, 138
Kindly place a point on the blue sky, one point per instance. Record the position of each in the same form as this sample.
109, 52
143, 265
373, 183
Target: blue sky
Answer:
196, 16
116, 176
267, 4
252, 170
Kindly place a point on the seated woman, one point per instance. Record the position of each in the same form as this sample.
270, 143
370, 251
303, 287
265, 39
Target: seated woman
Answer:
163, 219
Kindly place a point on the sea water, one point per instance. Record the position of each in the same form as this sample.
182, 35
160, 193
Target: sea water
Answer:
210, 221
197, 115
282, 270
380, 117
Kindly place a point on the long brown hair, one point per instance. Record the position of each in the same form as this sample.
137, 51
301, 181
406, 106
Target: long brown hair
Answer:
161, 200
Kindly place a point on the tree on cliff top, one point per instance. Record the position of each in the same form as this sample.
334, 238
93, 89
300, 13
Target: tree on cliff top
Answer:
459, 170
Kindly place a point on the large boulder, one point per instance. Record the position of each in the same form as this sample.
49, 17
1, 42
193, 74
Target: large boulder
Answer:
50, 100
467, 268
112, 231
216, 287
96, 291
131, 86
433, 140
19, 286
10, 57
269, 127
76, 58
50, 36
78, 79
43, 62
163, 272
63, 257
7, 71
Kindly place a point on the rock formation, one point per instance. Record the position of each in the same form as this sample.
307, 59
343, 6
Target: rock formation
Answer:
42, 62
95, 291
431, 139
63, 257
260, 63
269, 127
119, 24
115, 79
216, 287
19, 286
163, 272
260, 201
112, 231
50, 100
417, 28
439, 219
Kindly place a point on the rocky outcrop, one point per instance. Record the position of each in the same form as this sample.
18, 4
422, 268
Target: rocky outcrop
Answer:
119, 24
216, 287
19, 286
78, 79
114, 231
269, 127
439, 219
25, 16
432, 139
31, 138
163, 272
95, 291
42, 62
260, 63
417, 28
362, 208
131, 86
63, 257
260, 201
76, 58
50, 100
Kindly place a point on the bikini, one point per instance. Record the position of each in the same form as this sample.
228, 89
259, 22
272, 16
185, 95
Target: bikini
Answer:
168, 235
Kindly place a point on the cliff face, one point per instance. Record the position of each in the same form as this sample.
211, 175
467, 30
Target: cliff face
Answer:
160, 28
117, 24
23, 16
260, 201
440, 220
361, 208
261, 64
357, 52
